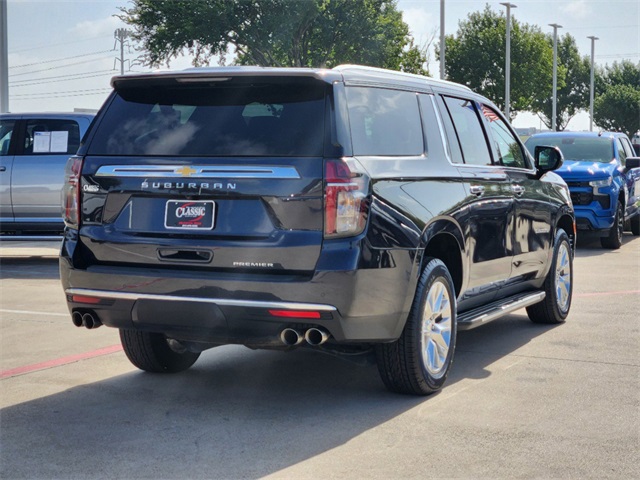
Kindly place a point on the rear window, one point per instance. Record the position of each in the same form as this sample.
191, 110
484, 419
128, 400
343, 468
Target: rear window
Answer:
247, 118
588, 149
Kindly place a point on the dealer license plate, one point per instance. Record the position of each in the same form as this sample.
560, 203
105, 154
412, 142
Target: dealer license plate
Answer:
190, 215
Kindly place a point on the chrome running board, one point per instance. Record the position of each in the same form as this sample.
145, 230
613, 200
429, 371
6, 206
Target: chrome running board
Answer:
485, 314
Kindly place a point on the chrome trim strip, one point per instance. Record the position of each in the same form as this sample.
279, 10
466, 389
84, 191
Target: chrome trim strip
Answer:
198, 171
216, 301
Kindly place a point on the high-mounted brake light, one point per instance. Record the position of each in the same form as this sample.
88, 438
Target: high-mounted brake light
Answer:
71, 192
345, 200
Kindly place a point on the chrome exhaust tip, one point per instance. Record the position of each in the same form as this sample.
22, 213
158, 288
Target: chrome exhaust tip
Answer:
315, 336
291, 337
90, 321
76, 318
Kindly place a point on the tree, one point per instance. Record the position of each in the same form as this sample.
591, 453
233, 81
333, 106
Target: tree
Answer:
293, 33
476, 58
618, 109
617, 103
573, 95
623, 73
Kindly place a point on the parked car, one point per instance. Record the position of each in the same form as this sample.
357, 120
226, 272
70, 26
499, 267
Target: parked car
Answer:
361, 212
603, 174
34, 148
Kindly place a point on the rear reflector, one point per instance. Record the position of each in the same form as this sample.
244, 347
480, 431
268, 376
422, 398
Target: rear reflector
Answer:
85, 299
294, 313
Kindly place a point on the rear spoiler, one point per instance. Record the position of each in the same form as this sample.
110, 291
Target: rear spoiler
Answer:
221, 74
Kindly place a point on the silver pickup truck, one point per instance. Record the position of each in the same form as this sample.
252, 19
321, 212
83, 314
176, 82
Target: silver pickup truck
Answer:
34, 148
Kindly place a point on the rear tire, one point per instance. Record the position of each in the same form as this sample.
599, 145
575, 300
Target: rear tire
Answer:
558, 285
614, 239
151, 352
419, 361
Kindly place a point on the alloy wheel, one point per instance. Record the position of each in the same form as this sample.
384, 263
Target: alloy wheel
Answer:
436, 329
563, 278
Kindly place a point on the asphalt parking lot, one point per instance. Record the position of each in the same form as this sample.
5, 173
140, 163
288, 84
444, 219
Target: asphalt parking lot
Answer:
523, 400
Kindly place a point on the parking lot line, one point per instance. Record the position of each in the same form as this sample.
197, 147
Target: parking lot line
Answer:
13, 372
29, 312
598, 294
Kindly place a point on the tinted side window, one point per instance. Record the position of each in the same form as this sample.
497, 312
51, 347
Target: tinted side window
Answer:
469, 131
384, 122
627, 147
621, 153
453, 146
47, 136
6, 130
507, 147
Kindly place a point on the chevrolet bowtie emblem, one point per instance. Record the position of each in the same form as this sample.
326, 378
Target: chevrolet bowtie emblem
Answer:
186, 171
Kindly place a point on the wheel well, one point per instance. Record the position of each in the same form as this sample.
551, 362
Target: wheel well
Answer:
445, 247
566, 224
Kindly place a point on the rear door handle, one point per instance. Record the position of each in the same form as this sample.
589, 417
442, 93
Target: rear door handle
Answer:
3, 169
517, 189
476, 190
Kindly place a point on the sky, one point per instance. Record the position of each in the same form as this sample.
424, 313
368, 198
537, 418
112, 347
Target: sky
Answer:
62, 56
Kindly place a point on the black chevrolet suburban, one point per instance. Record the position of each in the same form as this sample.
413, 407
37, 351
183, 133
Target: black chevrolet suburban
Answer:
357, 211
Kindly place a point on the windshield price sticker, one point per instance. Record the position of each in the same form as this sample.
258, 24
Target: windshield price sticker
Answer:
189, 215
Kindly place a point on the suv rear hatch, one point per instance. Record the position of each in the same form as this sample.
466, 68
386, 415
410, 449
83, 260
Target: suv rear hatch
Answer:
217, 172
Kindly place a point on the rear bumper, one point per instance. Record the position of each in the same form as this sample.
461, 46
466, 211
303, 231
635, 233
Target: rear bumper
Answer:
353, 304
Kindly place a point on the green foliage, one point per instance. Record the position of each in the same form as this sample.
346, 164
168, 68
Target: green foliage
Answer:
291, 33
623, 73
476, 58
573, 85
618, 109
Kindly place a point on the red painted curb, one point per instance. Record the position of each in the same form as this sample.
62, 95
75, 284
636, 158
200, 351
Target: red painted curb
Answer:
59, 361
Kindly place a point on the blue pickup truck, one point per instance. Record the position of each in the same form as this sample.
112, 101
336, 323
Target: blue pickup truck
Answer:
603, 175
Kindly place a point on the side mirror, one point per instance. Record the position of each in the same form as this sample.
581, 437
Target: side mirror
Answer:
632, 162
547, 159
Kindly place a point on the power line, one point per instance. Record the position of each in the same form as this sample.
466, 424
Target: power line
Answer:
599, 27
59, 66
63, 92
110, 73
49, 45
58, 59
68, 75
59, 96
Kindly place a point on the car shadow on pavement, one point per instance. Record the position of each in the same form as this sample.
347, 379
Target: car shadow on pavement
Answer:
236, 414
589, 245
29, 267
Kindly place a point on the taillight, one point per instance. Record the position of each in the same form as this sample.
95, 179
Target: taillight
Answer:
345, 199
71, 192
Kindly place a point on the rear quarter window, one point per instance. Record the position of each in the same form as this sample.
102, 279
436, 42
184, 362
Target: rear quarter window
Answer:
384, 122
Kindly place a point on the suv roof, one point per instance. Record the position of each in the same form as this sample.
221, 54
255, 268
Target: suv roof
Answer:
346, 73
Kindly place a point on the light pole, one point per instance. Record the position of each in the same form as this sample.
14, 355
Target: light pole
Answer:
4, 61
593, 43
555, 75
442, 46
507, 67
